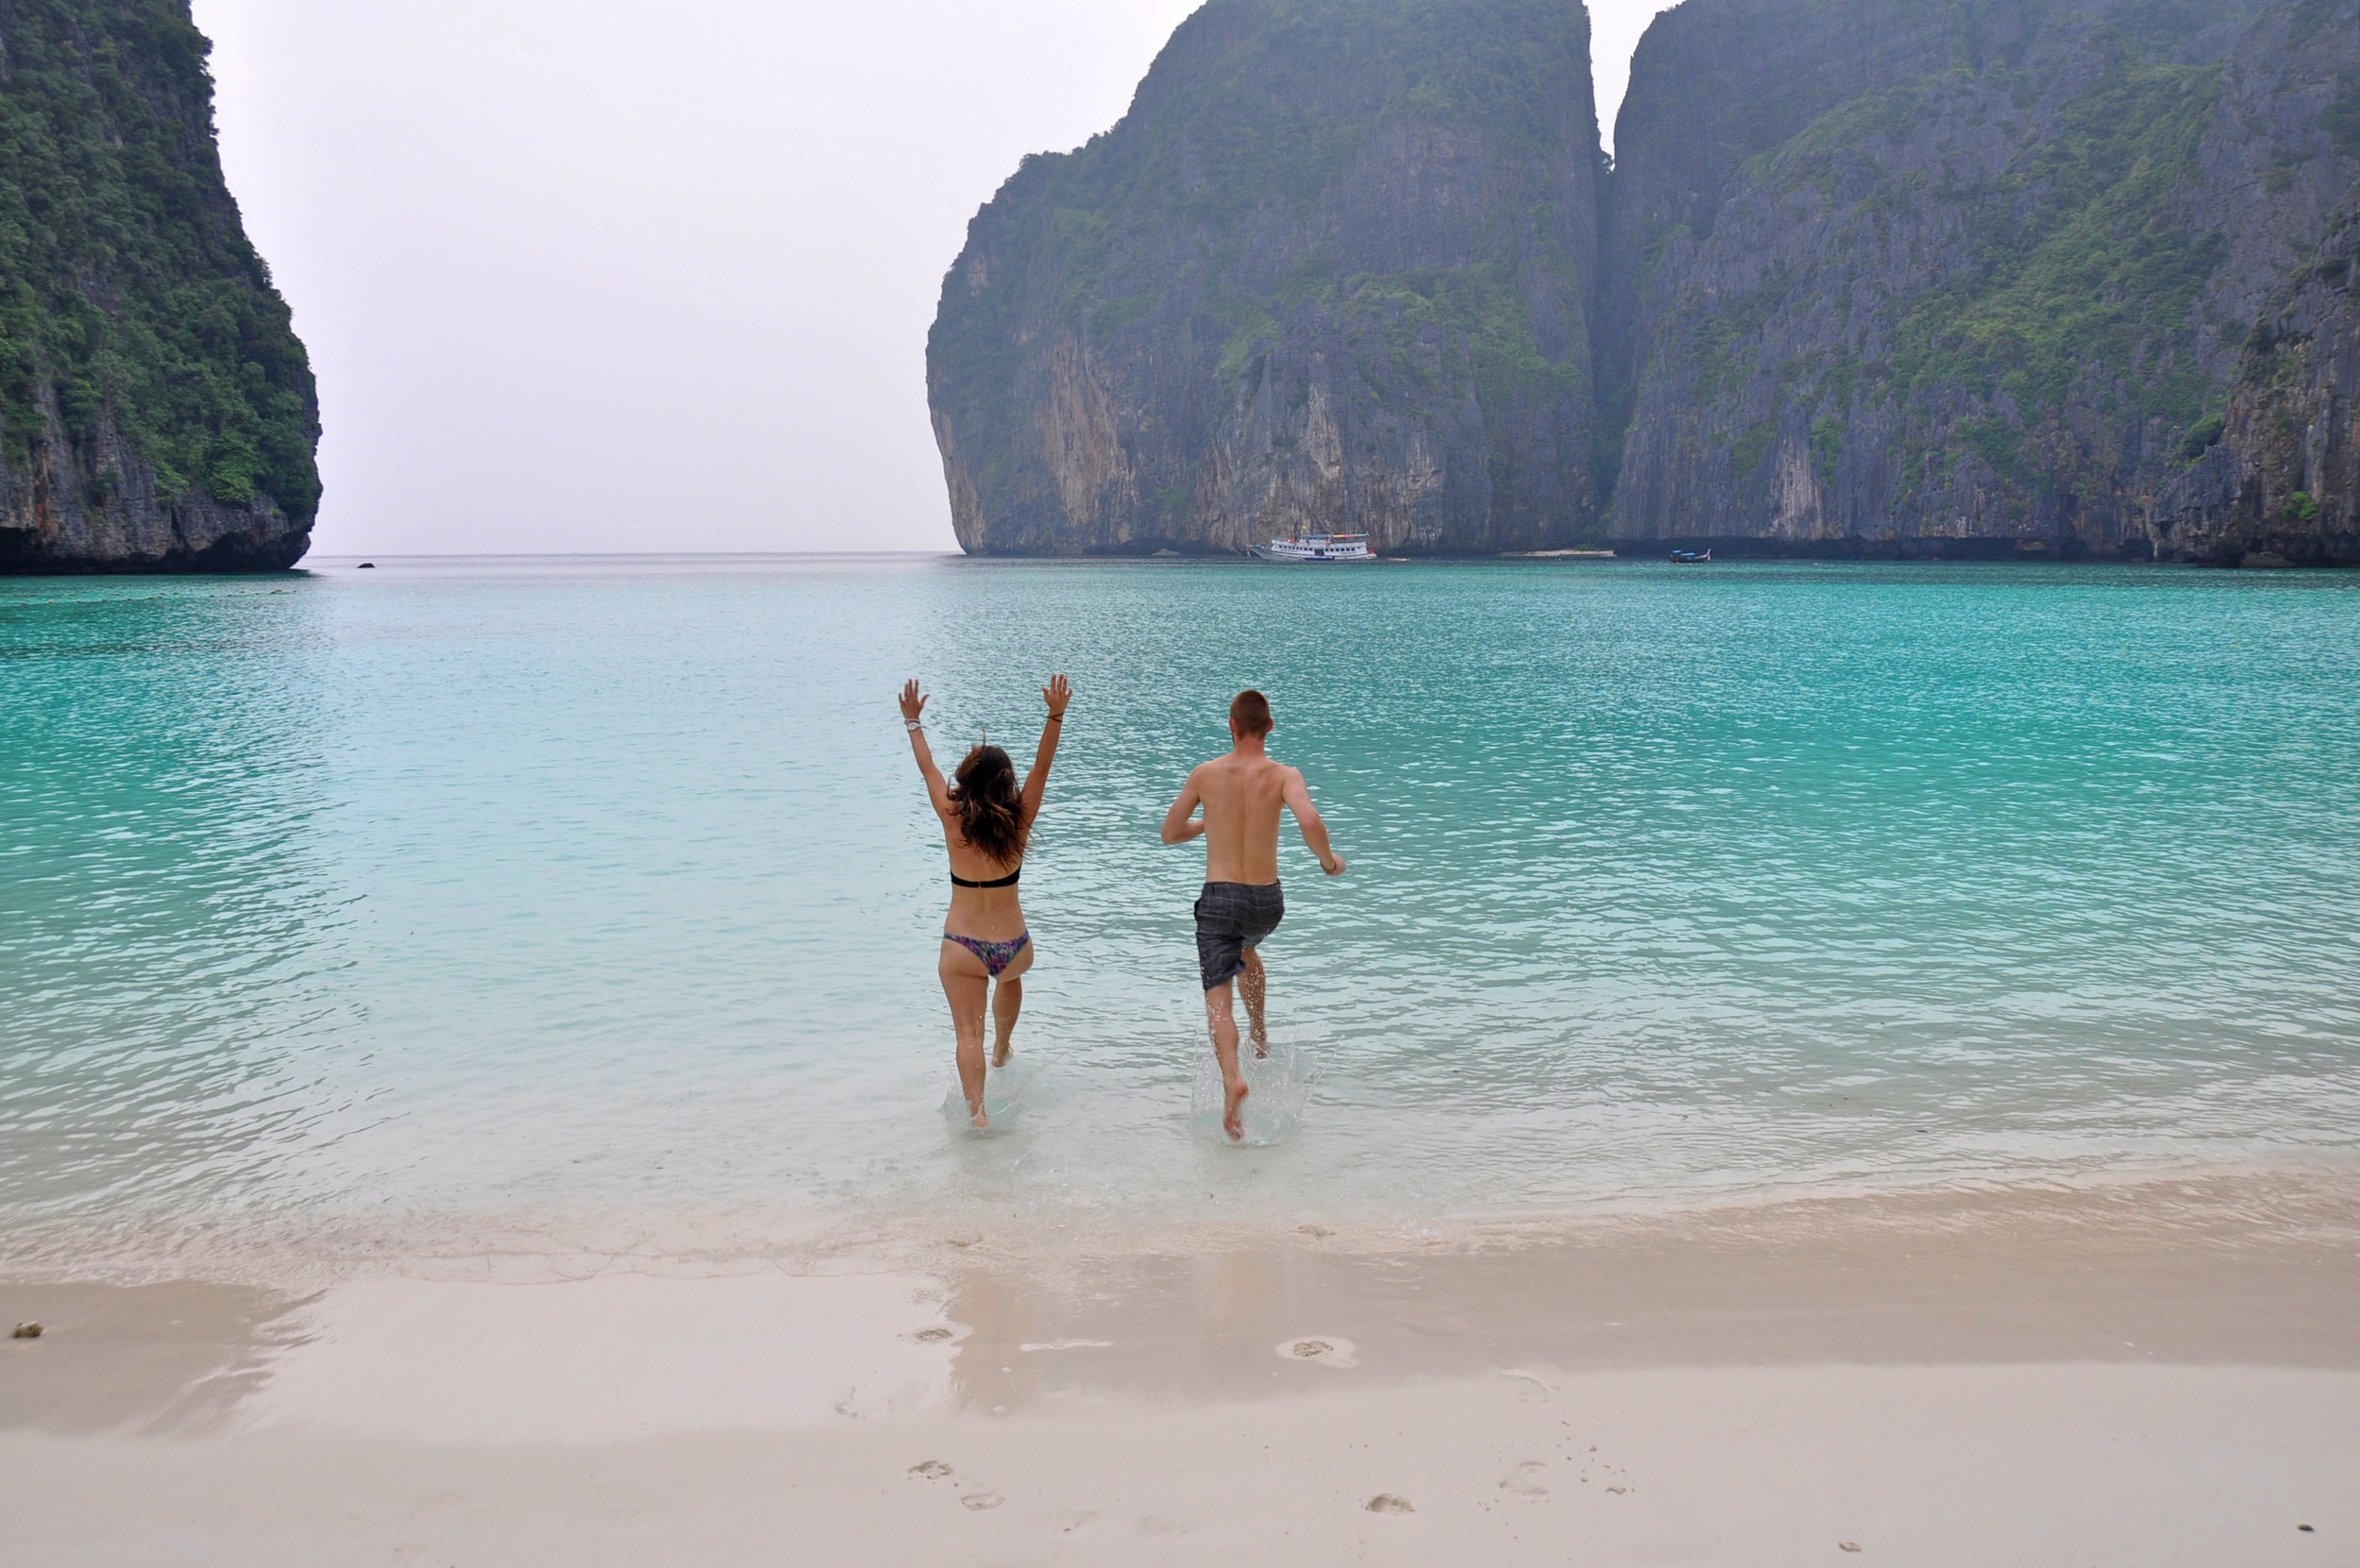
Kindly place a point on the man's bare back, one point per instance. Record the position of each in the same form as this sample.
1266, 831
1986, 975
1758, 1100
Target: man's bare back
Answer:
1241, 903
1241, 794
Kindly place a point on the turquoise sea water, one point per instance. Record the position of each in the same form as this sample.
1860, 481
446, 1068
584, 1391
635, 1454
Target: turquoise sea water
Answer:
383, 904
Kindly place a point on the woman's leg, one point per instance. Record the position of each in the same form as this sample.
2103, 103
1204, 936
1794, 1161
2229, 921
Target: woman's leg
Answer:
1007, 1000
964, 982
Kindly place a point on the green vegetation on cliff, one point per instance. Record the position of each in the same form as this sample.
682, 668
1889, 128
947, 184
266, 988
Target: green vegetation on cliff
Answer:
2082, 270
127, 288
1250, 129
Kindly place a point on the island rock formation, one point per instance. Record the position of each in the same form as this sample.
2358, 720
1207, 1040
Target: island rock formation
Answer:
157, 412
1333, 271
1987, 277
1893, 277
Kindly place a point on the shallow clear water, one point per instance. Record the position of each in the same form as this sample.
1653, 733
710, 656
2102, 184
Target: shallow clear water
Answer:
591, 887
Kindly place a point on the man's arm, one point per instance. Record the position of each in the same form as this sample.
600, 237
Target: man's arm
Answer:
1298, 797
1178, 828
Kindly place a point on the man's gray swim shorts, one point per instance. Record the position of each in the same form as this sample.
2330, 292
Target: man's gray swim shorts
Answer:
1232, 916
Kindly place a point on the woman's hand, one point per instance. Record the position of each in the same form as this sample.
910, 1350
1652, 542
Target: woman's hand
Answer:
1057, 694
912, 704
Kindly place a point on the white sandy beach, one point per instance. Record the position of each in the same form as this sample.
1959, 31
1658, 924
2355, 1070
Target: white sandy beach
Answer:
2141, 1377
1966, 1465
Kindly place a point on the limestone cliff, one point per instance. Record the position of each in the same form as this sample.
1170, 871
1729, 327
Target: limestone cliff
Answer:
2052, 277
1968, 278
157, 412
1332, 271
2284, 480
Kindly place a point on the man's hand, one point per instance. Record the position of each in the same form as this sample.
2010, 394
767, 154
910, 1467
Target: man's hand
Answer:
1057, 694
913, 702
1333, 865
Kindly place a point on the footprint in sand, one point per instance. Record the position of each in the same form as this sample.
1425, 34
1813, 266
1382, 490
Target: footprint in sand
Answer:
931, 1470
1386, 1502
1071, 1521
1324, 1349
1524, 1481
933, 1336
976, 1502
1157, 1526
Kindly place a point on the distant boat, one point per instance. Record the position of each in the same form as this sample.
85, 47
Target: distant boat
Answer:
1312, 548
1692, 558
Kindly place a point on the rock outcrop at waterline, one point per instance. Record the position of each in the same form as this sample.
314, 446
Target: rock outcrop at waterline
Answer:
1885, 277
2284, 483
1332, 271
157, 412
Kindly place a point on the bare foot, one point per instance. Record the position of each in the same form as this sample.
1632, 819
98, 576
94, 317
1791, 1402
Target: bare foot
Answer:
1232, 1121
1261, 1046
975, 1116
1002, 1052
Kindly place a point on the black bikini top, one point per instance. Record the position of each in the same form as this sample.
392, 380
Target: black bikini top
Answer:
1008, 881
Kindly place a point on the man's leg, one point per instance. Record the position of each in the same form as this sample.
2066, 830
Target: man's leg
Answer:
1221, 1017
1254, 985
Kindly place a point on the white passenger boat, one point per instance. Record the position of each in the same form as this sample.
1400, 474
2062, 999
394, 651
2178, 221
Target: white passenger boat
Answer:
1317, 547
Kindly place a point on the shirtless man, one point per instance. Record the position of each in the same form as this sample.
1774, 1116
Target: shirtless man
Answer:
1241, 902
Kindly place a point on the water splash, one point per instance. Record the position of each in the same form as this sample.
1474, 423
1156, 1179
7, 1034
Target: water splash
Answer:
1004, 1092
1278, 1087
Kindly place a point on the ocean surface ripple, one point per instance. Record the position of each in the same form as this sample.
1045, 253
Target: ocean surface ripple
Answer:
607, 887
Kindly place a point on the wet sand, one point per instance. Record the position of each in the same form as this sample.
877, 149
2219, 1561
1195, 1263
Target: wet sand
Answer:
2168, 1373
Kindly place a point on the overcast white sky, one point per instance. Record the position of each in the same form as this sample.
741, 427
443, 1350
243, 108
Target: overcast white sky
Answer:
608, 275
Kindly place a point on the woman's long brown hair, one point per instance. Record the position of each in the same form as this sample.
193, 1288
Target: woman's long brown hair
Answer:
991, 812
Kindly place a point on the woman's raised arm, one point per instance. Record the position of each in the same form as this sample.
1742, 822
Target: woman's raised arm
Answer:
914, 704
1057, 694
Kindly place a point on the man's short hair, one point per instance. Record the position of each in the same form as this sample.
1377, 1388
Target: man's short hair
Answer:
1249, 715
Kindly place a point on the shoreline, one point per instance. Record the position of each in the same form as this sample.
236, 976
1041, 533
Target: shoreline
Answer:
2259, 1269
2213, 1206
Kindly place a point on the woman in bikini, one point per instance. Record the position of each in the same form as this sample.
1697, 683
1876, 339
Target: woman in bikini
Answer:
986, 820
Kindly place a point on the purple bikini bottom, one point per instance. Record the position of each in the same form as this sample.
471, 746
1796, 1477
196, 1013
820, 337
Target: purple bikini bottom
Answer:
996, 955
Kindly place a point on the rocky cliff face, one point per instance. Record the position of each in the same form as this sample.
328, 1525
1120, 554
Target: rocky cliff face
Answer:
2053, 277
2283, 482
1983, 286
1333, 271
157, 412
